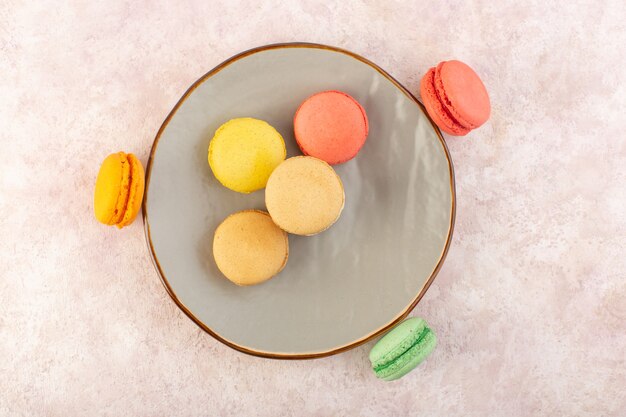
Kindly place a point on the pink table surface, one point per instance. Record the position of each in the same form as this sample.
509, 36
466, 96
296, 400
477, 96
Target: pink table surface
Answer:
530, 306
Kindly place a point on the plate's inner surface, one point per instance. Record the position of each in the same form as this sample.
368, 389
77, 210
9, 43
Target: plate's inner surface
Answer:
342, 284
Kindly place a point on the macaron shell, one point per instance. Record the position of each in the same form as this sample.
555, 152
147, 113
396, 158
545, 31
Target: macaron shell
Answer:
397, 341
136, 189
244, 152
410, 359
462, 93
331, 126
304, 195
435, 108
249, 248
112, 189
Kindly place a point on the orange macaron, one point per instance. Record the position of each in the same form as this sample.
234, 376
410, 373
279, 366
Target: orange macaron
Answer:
455, 97
119, 190
331, 126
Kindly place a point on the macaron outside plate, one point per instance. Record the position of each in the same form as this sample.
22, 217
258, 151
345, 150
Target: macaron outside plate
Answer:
119, 190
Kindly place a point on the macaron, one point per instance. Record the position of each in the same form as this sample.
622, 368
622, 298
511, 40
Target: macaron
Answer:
119, 190
402, 349
249, 248
304, 195
455, 97
331, 126
243, 153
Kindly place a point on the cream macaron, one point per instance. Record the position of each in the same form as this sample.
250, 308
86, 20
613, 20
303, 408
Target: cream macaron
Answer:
304, 195
249, 248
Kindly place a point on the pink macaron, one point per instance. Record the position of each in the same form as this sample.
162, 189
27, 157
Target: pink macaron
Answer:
331, 126
455, 97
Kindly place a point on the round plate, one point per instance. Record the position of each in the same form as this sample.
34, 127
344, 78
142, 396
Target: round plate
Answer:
343, 286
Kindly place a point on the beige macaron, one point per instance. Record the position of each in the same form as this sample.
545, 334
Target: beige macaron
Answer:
304, 195
249, 248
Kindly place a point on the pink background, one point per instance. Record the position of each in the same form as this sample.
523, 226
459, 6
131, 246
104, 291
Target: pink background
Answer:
530, 306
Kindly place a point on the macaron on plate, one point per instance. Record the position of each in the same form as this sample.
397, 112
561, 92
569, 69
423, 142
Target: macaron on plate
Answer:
377, 225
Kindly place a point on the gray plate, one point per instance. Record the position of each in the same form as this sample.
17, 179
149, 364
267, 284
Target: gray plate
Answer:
341, 287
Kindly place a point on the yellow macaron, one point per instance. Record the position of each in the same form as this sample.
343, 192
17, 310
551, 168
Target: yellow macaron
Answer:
119, 190
304, 195
249, 248
244, 152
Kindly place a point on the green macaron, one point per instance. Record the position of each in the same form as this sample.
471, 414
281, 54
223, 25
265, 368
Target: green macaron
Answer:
402, 349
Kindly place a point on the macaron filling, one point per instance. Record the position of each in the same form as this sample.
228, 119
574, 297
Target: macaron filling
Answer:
122, 199
135, 191
398, 358
447, 104
118, 192
436, 108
